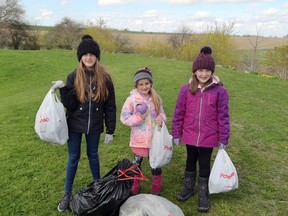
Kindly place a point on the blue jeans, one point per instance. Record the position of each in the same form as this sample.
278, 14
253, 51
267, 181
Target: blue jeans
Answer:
74, 152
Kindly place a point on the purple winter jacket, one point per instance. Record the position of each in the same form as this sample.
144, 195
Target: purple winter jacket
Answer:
202, 119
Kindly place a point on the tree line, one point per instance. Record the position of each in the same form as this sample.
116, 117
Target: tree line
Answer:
16, 33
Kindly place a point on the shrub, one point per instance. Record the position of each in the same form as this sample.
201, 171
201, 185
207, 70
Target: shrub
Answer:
277, 62
156, 48
104, 38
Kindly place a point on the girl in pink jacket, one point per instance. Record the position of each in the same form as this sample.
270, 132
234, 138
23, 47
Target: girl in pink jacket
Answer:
141, 111
201, 121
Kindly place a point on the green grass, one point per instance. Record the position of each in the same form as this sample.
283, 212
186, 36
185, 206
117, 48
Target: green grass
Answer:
33, 171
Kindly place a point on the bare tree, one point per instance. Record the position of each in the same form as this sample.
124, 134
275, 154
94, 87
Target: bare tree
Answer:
10, 11
179, 38
184, 32
174, 40
255, 42
64, 35
250, 62
14, 32
223, 28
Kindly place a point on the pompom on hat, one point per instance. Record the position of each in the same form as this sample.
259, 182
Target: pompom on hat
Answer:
143, 73
88, 45
204, 60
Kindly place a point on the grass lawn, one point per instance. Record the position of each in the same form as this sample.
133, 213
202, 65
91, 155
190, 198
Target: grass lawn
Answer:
33, 171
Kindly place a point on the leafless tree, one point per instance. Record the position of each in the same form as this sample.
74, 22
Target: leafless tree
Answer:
251, 63
10, 11
184, 32
255, 41
179, 38
64, 35
14, 32
223, 28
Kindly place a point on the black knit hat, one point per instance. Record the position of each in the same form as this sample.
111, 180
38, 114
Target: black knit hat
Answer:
204, 60
143, 73
88, 45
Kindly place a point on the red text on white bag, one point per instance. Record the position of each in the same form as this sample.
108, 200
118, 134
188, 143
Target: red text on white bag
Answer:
223, 175
44, 120
168, 148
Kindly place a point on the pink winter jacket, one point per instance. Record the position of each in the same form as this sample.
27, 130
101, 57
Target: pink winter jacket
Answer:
141, 130
202, 119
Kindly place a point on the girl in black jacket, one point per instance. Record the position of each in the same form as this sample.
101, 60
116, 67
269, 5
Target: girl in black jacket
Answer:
89, 99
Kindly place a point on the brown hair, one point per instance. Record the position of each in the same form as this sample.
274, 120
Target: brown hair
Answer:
99, 79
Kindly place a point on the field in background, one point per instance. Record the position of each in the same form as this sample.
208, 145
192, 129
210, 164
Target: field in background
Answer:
139, 38
242, 42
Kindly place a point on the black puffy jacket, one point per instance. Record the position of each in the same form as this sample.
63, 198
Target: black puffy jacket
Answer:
88, 117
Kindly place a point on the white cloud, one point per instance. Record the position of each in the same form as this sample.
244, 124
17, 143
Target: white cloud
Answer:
151, 13
179, 2
138, 22
201, 15
199, 24
270, 12
113, 2
188, 2
37, 18
46, 14
64, 2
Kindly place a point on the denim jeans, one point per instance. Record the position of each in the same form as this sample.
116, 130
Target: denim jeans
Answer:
74, 152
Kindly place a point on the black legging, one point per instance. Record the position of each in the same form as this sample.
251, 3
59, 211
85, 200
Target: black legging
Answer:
203, 155
138, 161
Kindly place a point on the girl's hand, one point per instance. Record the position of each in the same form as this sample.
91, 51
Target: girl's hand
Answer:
177, 141
158, 120
144, 116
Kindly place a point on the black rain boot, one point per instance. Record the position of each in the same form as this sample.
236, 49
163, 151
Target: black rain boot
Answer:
63, 206
203, 201
189, 186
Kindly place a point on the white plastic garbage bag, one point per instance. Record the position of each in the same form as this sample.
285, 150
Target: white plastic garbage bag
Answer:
50, 122
161, 148
223, 176
149, 205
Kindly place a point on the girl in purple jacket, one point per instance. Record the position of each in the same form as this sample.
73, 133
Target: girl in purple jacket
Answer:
201, 121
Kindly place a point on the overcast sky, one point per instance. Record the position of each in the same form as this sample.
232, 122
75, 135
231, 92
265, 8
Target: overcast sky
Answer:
268, 17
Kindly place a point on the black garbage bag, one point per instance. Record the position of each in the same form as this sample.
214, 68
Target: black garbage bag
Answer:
105, 196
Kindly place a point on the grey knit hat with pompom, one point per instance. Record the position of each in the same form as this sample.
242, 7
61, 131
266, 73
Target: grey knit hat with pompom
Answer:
143, 73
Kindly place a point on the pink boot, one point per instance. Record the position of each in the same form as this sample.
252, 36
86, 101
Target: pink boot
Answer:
136, 185
156, 184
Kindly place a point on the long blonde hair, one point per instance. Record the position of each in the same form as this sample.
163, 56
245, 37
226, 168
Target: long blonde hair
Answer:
99, 79
156, 100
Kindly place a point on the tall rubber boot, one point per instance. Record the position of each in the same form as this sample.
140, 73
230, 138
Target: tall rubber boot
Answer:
136, 186
203, 201
189, 186
156, 184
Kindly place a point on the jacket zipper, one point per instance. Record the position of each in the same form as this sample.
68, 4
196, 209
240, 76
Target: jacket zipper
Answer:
89, 110
199, 120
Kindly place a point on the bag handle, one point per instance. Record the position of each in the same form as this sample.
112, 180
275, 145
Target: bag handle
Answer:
135, 169
54, 96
